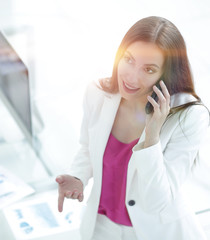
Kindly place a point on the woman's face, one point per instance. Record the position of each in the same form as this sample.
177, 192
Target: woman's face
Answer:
139, 69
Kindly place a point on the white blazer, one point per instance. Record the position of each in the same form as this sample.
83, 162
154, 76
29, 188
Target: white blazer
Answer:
155, 174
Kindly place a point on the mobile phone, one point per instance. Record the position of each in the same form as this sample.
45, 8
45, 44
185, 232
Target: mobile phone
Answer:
149, 108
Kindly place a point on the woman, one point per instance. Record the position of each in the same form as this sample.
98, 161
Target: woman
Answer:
139, 161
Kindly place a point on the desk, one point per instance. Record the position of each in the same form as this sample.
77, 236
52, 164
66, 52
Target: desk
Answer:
6, 233
19, 159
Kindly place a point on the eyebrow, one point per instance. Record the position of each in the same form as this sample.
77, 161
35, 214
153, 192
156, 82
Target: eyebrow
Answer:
148, 65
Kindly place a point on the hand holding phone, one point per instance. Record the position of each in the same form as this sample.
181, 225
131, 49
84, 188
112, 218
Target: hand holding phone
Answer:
149, 108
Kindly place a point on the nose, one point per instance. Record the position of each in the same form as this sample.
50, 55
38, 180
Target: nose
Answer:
133, 78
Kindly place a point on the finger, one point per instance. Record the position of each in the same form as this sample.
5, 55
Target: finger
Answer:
165, 91
161, 98
75, 194
59, 179
68, 194
80, 197
60, 202
155, 105
167, 96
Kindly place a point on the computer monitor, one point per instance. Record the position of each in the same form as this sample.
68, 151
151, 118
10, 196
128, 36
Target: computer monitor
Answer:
14, 87
15, 93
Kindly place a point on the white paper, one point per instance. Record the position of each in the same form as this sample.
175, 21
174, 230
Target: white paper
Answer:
12, 188
39, 216
204, 219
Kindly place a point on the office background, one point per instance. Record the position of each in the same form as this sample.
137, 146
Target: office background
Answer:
66, 44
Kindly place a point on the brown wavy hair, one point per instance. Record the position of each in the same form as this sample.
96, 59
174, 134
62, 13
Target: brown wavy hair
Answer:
160, 31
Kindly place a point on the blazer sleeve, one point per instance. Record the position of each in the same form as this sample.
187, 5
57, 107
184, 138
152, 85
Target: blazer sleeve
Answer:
161, 174
81, 166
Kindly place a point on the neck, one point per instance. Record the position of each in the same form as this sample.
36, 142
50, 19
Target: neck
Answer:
136, 105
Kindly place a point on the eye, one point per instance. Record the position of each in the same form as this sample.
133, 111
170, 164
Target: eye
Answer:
150, 70
127, 59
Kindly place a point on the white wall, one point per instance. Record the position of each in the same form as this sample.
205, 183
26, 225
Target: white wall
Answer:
70, 43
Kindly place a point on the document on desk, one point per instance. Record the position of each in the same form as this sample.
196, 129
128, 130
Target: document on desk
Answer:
39, 217
12, 188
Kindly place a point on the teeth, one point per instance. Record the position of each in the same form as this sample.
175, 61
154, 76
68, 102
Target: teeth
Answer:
129, 87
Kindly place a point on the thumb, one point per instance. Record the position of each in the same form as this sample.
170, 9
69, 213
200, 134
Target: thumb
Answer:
59, 179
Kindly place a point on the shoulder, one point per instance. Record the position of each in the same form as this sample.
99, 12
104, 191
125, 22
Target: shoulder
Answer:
94, 89
195, 112
95, 95
198, 110
190, 123
197, 116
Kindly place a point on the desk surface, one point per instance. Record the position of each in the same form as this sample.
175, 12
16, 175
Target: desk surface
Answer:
6, 234
19, 157
34, 200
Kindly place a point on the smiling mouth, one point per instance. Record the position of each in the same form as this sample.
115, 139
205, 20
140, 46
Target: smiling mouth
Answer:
129, 88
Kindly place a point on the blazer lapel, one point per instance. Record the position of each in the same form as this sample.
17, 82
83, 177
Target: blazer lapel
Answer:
103, 128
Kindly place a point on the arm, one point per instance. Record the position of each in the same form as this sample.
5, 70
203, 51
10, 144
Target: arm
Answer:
161, 174
71, 186
81, 166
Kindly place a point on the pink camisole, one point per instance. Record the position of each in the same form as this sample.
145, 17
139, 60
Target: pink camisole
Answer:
115, 165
